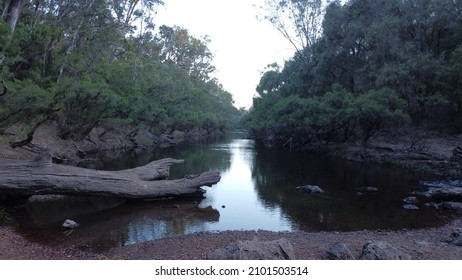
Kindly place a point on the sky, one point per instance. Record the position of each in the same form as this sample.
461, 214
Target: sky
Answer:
242, 45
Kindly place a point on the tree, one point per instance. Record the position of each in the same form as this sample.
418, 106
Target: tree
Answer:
299, 21
182, 49
375, 110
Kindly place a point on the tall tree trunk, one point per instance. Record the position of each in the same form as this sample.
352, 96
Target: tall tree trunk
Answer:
73, 40
11, 13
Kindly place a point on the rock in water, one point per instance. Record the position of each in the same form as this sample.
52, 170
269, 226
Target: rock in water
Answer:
411, 200
70, 224
255, 249
339, 251
379, 250
410, 207
370, 189
310, 189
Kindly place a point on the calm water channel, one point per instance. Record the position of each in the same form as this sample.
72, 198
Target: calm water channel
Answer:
257, 191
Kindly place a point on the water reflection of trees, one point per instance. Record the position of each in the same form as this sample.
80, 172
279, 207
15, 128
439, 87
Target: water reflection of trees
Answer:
198, 158
276, 173
115, 227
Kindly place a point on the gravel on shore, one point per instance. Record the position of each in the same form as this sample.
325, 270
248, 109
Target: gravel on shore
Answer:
421, 244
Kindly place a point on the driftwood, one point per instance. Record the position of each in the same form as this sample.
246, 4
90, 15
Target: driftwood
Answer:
40, 176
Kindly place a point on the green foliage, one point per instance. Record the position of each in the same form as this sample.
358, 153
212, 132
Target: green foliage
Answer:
88, 63
377, 109
377, 64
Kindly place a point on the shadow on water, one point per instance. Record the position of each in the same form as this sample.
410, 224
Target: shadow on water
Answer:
256, 191
345, 205
117, 225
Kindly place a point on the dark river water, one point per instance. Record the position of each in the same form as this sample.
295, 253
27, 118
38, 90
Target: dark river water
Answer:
256, 191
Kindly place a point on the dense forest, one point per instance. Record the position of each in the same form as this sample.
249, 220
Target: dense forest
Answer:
367, 66
96, 63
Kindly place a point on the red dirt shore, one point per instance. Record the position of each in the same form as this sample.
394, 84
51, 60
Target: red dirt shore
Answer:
421, 244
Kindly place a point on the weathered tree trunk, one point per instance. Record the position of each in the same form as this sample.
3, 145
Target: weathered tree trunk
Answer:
40, 176
11, 13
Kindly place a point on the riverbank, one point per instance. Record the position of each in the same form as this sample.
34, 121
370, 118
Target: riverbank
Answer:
429, 153
421, 244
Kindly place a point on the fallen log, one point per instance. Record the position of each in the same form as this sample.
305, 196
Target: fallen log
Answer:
41, 176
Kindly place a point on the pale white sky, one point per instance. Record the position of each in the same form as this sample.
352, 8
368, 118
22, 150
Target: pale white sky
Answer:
242, 45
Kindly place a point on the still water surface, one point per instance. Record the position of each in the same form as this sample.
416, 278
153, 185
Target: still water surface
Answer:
256, 191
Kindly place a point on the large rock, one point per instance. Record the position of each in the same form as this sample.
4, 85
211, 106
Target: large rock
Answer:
339, 251
255, 249
379, 250
309, 189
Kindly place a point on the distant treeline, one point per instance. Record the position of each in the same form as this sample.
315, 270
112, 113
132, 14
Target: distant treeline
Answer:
373, 64
93, 63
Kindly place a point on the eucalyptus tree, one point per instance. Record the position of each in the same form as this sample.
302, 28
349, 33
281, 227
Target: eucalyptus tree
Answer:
186, 51
299, 21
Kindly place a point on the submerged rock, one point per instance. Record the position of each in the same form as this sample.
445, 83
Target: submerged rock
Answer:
411, 200
369, 189
433, 205
255, 249
410, 207
379, 250
310, 189
339, 251
70, 224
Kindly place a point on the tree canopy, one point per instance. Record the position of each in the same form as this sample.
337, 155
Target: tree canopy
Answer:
376, 64
89, 63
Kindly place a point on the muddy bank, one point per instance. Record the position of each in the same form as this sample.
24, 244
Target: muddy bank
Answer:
102, 144
433, 154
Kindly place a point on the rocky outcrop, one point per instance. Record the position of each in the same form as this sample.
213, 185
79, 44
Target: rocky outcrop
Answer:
339, 251
255, 249
379, 250
309, 189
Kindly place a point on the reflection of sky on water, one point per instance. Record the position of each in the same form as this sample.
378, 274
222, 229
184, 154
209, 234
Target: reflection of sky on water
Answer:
256, 190
242, 209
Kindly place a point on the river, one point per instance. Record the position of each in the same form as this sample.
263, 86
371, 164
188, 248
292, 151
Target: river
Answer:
256, 192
